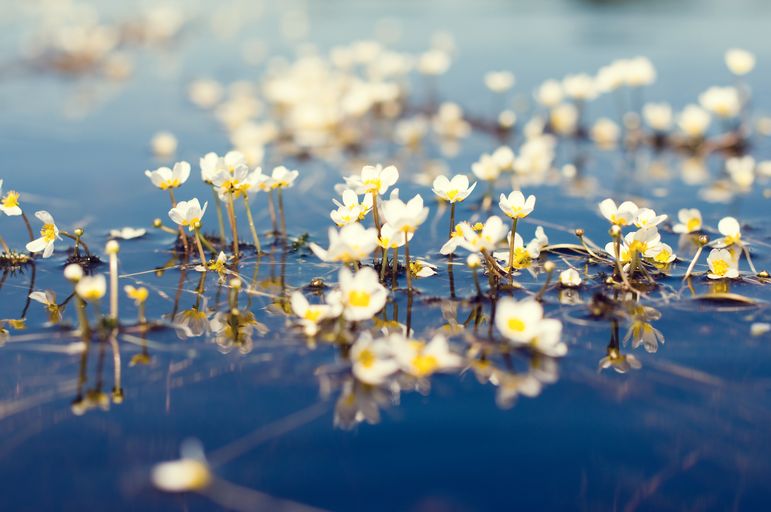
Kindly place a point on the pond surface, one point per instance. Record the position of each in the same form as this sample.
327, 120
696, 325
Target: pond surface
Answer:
283, 423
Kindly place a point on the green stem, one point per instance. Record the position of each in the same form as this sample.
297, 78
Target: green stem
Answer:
251, 224
220, 218
514, 221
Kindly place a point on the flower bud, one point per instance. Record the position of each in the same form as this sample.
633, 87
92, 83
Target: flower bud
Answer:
73, 272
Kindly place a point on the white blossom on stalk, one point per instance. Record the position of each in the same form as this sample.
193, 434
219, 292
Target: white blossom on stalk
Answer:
360, 295
352, 243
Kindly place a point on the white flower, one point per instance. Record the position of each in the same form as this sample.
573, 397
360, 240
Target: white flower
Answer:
434, 62
281, 177
350, 210
721, 101
422, 268
492, 232
391, 238
499, 81
211, 165
549, 93
579, 87
454, 190
741, 170
570, 278
504, 157
647, 218
486, 168
564, 118
48, 235
352, 243
91, 288
165, 178
693, 121
605, 132
188, 213
638, 72
360, 296
189, 473
722, 265
548, 338
373, 360
405, 216
690, 221
455, 240
421, 359
9, 205
624, 256
621, 215
374, 179
516, 206
658, 116
128, 233
663, 254
540, 237
310, 314
731, 230
523, 255
163, 144
645, 241
518, 320
739, 62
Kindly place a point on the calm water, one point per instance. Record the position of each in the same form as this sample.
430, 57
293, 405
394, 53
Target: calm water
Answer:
687, 431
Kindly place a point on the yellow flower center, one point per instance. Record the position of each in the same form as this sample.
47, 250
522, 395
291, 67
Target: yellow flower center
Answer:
720, 267
452, 194
48, 232
366, 358
423, 365
312, 314
663, 256
515, 324
11, 199
172, 183
359, 299
693, 224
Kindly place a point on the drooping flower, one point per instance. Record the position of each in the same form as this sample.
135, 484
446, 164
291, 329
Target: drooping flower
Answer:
689, 221
516, 206
188, 213
453, 191
48, 235
165, 178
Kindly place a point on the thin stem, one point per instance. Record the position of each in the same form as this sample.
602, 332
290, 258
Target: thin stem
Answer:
407, 262
4, 245
85, 329
78, 240
395, 268
476, 281
29, 227
539, 295
749, 260
220, 218
272, 212
452, 218
181, 229
514, 221
114, 286
200, 249
233, 227
693, 262
383, 265
281, 211
251, 224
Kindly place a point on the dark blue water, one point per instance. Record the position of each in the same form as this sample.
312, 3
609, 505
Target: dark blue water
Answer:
686, 431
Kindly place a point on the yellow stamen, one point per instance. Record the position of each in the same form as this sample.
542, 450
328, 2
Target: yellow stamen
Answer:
515, 324
358, 299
